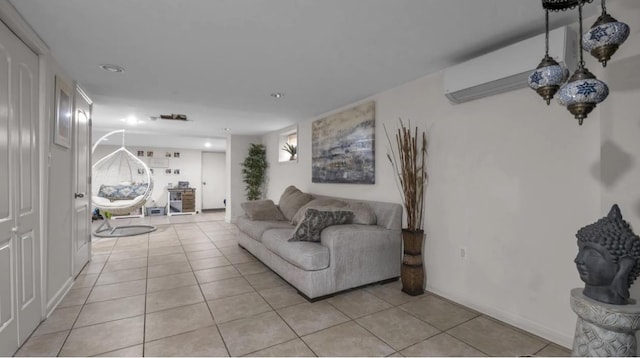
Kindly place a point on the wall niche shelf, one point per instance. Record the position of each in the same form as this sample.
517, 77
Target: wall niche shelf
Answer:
289, 136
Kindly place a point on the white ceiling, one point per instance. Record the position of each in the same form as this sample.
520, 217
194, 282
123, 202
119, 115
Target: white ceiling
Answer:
218, 61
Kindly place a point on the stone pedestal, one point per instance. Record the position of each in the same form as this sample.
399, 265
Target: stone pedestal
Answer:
604, 330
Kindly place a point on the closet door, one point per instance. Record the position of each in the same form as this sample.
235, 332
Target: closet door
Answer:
82, 168
20, 302
8, 222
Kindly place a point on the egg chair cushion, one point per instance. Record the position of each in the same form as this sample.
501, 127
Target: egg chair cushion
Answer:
105, 203
122, 191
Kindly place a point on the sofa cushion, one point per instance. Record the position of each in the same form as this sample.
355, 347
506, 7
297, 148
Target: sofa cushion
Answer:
362, 213
315, 221
262, 210
320, 203
292, 200
255, 229
309, 256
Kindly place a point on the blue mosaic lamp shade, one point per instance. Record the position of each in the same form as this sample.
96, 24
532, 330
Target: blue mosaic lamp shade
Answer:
547, 78
581, 94
554, 75
604, 38
583, 91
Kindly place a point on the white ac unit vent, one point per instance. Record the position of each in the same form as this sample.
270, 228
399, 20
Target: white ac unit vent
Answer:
508, 68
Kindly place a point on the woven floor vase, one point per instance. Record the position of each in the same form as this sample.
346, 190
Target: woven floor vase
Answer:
412, 274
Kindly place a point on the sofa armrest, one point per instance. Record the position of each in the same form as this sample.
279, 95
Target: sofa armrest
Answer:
361, 254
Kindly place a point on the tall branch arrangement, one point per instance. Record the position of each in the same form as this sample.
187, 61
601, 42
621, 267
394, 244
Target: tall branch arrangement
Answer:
253, 170
409, 164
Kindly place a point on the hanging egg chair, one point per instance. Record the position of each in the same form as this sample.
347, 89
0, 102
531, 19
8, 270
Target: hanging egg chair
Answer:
121, 184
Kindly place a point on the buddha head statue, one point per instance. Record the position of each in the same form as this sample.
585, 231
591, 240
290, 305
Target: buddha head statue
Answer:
608, 258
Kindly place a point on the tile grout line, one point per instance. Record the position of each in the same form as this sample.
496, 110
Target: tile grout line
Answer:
146, 286
85, 300
206, 302
291, 328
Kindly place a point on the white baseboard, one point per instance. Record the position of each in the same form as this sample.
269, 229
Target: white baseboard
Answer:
57, 298
510, 318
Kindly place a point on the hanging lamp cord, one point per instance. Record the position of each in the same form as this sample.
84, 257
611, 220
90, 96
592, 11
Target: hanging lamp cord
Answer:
604, 6
581, 63
546, 32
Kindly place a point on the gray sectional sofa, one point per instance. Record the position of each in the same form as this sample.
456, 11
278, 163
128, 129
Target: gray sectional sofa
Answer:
347, 256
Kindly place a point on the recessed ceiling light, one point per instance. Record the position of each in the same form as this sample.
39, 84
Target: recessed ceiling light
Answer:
226, 129
207, 144
112, 68
277, 95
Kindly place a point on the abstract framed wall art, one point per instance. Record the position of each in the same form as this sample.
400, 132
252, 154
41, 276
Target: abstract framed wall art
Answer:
62, 128
343, 146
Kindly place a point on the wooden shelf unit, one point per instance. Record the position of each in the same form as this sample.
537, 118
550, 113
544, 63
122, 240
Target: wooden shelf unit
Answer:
181, 201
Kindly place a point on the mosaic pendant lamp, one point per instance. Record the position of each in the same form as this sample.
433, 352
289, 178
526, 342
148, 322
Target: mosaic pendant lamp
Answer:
605, 36
549, 75
583, 91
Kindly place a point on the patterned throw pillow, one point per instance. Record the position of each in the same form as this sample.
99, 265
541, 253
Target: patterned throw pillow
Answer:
315, 221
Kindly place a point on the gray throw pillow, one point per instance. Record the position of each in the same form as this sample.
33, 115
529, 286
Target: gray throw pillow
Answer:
262, 210
363, 213
315, 221
320, 203
292, 200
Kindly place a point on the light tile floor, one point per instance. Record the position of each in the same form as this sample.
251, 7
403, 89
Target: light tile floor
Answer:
187, 289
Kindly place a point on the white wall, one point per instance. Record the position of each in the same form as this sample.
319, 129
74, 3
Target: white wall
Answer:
189, 163
511, 180
620, 125
237, 151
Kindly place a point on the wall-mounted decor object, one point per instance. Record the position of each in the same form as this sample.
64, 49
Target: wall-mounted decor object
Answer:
141, 153
176, 171
167, 171
167, 154
158, 162
343, 146
150, 154
140, 171
62, 130
176, 154
151, 171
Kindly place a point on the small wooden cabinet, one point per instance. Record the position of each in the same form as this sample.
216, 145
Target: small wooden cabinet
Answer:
181, 201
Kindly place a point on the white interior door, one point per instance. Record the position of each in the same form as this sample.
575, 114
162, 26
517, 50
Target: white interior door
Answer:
20, 294
214, 180
82, 177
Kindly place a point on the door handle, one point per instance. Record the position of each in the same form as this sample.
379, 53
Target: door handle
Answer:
78, 195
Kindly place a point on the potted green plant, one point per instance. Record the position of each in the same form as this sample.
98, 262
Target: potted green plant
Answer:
409, 163
254, 168
291, 149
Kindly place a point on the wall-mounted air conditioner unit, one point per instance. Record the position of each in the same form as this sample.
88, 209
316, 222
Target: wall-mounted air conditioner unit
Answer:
507, 69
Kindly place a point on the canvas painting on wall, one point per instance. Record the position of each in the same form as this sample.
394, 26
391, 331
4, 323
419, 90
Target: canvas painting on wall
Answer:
343, 146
